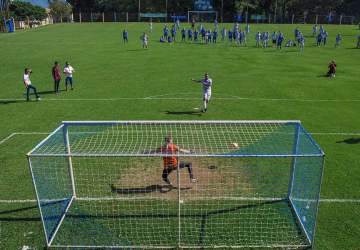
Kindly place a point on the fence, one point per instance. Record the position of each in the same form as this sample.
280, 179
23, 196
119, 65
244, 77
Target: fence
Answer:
226, 17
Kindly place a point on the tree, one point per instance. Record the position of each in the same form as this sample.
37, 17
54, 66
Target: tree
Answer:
59, 9
24, 10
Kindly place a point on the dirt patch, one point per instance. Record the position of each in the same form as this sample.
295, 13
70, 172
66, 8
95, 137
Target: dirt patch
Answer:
215, 178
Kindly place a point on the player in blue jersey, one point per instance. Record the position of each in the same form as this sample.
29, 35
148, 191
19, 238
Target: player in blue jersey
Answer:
314, 30
208, 36
301, 42
338, 40
125, 36
190, 34
166, 31
203, 34
183, 35
215, 36
358, 42
237, 37
258, 39
223, 34
273, 38
196, 36
173, 33
206, 85
279, 40
265, 38
170, 40
230, 35
319, 39
325, 36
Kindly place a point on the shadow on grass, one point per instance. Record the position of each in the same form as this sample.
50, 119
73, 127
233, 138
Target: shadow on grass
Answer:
145, 190
198, 113
12, 101
135, 50
350, 141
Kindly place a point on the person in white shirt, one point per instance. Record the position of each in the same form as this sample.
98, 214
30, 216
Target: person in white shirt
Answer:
28, 86
206, 84
68, 71
145, 39
151, 26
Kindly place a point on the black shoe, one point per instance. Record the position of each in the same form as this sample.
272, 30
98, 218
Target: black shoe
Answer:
167, 181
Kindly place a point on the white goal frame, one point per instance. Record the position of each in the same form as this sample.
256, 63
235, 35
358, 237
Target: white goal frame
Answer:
190, 12
68, 154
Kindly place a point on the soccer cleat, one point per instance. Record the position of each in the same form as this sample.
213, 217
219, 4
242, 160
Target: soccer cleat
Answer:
38, 99
167, 181
193, 180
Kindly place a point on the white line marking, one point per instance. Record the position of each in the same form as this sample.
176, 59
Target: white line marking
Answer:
7, 138
166, 97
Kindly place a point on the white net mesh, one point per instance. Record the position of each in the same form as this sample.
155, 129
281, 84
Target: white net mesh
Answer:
119, 197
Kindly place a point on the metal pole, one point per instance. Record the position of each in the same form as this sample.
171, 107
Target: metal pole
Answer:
340, 20
103, 17
292, 18
275, 11
179, 204
166, 10
68, 151
316, 19
80, 17
139, 9
222, 11
127, 17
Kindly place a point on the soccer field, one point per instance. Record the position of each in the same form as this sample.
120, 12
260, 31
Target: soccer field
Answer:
114, 81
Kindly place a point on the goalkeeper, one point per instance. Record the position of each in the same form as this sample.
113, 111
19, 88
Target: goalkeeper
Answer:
171, 162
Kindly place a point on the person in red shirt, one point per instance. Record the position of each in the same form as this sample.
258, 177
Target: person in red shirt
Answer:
171, 161
332, 69
56, 76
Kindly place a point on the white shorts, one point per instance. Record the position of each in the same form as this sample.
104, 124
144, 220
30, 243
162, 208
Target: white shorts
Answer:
207, 95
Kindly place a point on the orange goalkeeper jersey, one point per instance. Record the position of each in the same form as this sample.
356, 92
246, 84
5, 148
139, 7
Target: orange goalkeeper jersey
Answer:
169, 160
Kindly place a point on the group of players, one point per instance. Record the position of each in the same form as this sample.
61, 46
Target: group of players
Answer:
237, 35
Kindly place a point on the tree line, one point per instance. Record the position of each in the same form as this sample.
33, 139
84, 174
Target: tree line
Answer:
282, 7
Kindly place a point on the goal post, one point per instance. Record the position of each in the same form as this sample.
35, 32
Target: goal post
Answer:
100, 184
202, 16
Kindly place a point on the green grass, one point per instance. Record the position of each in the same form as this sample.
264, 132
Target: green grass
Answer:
106, 69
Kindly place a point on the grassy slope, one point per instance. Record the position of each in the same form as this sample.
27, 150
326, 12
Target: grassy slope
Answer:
107, 69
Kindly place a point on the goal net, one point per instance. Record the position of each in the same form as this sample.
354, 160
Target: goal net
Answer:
101, 184
202, 16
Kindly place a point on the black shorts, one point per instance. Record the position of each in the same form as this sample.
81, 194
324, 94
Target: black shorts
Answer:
274, 41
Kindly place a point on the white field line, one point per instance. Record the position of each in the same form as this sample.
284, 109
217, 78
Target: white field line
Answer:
21, 133
7, 138
170, 97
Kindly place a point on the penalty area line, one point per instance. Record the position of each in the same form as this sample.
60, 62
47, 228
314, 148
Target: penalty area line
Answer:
168, 97
21, 133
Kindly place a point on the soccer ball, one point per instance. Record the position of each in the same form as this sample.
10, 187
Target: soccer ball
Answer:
234, 145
